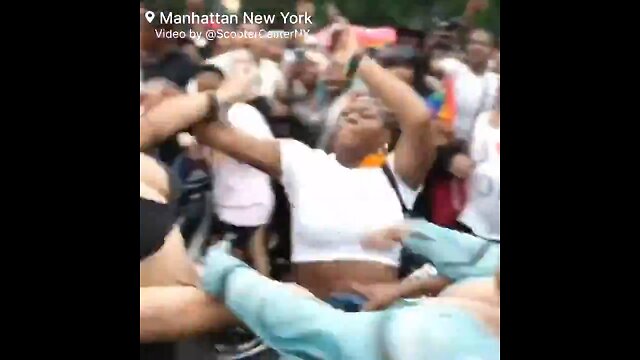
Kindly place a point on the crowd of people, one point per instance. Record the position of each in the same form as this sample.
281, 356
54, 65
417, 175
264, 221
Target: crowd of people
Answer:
371, 171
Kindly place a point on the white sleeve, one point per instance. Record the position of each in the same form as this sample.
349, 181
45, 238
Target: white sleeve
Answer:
478, 140
299, 162
408, 194
451, 65
248, 119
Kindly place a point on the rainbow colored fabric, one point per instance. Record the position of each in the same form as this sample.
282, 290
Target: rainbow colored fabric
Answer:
444, 103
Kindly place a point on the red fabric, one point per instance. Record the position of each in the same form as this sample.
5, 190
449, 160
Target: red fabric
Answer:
449, 197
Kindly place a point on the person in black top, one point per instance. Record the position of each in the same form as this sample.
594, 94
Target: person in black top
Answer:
164, 58
169, 285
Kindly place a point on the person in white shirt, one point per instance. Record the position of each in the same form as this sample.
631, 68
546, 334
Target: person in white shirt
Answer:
243, 199
171, 304
334, 203
474, 84
482, 211
271, 77
242, 195
342, 204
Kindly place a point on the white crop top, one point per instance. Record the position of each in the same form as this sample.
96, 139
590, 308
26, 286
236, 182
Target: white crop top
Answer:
334, 208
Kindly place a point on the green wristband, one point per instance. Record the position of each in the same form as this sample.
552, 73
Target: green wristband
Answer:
352, 66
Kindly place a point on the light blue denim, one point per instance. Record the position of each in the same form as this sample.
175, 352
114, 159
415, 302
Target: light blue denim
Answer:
456, 255
302, 327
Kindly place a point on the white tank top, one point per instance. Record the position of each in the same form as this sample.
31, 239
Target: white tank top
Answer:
334, 208
482, 212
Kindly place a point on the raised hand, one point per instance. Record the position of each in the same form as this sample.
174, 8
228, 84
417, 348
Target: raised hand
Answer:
346, 44
461, 166
241, 85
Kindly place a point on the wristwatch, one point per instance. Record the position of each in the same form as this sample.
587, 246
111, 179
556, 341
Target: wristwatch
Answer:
353, 64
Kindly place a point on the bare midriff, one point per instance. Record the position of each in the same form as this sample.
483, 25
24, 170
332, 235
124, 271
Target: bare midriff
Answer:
325, 278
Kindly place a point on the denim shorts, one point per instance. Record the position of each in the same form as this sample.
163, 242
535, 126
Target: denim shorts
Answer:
347, 302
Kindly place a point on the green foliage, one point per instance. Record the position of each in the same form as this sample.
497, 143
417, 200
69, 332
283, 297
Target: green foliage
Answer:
179, 5
176, 6
416, 14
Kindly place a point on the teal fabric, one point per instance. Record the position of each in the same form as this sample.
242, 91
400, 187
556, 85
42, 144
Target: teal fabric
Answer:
454, 254
302, 327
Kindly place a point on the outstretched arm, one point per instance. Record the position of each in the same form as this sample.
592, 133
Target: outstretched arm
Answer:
185, 111
263, 154
471, 10
171, 116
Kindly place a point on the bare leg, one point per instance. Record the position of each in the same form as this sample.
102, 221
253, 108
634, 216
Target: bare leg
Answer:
174, 312
258, 251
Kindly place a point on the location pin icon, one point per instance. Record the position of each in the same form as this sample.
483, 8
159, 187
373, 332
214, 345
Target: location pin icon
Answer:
149, 15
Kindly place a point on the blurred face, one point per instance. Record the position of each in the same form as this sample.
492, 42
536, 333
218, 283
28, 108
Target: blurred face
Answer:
442, 39
253, 44
222, 44
309, 73
334, 79
479, 48
243, 60
362, 130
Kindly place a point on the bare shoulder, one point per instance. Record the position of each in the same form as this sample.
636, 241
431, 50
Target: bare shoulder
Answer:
153, 175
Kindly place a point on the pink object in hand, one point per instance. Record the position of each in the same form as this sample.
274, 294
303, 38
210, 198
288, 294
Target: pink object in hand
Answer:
375, 37
367, 37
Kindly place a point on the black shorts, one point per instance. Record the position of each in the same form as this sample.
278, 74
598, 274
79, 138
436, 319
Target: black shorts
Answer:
240, 236
156, 222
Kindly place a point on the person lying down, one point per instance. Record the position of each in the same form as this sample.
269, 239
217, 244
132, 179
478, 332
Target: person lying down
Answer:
455, 325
